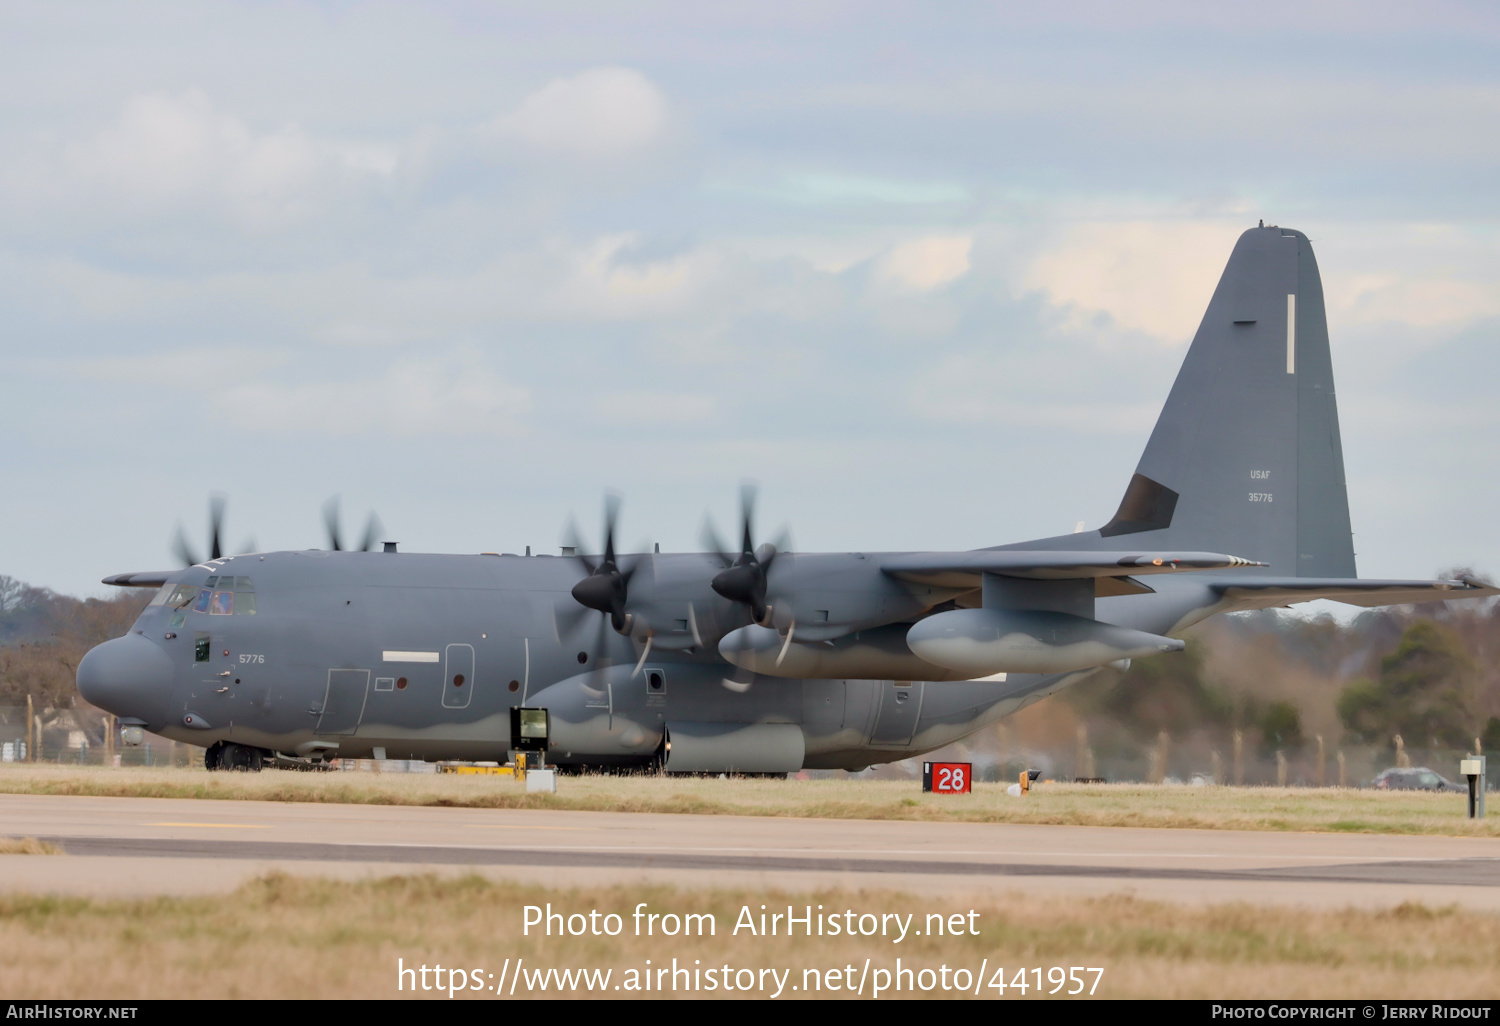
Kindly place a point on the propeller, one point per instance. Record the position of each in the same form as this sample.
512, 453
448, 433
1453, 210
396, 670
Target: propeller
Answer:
607, 586
743, 578
185, 552
373, 528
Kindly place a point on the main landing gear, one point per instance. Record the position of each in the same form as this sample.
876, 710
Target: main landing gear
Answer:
226, 755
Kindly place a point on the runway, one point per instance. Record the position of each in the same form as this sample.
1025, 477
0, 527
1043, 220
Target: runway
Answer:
142, 846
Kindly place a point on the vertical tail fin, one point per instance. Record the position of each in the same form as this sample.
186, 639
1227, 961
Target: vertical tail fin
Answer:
1246, 456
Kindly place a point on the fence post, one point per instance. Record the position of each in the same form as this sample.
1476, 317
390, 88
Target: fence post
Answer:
1239, 759
1081, 759
1159, 758
1280, 769
1322, 762
1343, 780
1218, 766
30, 744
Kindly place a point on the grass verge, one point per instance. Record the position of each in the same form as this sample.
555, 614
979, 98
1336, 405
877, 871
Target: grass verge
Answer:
27, 846
1130, 805
291, 937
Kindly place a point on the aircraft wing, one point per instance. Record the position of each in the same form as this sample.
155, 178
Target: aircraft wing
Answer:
1265, 592
963, 569
148, 579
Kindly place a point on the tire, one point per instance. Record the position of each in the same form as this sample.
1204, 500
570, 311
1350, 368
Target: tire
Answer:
241, 758
213, 757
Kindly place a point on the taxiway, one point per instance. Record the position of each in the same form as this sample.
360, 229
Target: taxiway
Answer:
140, 846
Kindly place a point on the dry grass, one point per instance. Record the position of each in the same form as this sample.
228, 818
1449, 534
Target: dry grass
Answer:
27, 846
292, 937
1130, 805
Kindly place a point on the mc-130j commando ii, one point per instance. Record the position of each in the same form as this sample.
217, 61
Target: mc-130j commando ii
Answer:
767, 661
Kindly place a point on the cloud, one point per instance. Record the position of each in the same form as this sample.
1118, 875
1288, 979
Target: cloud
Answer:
655, 408
445, 395
1152, 277
815, 188
178, 152
1056, 388
600, 112
922, 265
412, 397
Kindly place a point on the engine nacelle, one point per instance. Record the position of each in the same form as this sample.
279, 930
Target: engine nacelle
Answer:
979, 642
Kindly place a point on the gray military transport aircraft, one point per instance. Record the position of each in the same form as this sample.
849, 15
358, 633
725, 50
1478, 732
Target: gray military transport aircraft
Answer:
770, 661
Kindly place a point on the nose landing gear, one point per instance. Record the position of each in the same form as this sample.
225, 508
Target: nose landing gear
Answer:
226, 755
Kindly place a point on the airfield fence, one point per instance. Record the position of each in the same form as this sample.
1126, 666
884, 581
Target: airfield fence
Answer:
89, 738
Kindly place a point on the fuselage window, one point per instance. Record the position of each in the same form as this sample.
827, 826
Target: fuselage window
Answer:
200, 648
222, 604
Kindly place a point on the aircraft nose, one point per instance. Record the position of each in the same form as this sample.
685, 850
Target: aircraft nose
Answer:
127, 676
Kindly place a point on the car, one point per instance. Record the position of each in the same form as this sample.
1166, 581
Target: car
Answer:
1418, 778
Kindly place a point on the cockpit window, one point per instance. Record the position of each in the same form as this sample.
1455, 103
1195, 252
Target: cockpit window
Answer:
242, 584
222, 604
182, 595
201, 606
161, 596
212, 581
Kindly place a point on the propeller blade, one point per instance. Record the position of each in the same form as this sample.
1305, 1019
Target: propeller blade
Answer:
567, 618
331, 524
373, 530
215, 526
611, 517
247, 546
599, 655
574, 541
645, 651
747, 516
182, 550
709, 538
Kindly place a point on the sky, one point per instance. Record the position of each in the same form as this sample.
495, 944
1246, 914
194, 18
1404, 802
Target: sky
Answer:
924, 272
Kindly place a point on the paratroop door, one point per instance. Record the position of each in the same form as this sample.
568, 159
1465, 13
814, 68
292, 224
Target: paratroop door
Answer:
900, 707
458, 676
344, 702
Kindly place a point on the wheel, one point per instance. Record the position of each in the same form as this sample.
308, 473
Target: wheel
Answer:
241, 758
213, 757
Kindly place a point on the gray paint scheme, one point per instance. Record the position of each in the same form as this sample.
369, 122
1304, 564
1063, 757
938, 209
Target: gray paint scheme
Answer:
1237, 503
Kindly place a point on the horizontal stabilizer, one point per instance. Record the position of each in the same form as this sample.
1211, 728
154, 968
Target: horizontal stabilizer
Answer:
148, 579
963, 569
1265, 592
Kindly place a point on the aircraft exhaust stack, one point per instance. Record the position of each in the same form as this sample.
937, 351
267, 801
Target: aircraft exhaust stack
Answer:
980, 642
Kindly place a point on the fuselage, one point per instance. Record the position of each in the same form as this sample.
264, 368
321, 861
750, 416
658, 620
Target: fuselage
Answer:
421, 656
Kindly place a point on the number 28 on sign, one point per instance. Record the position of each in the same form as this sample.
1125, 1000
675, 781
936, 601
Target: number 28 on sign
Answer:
947, 777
